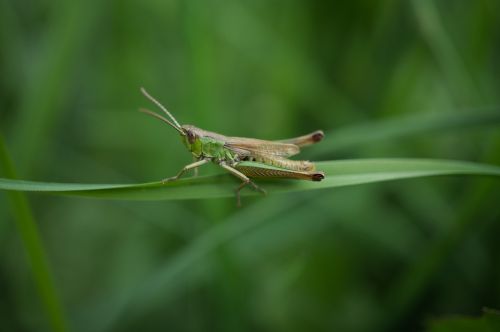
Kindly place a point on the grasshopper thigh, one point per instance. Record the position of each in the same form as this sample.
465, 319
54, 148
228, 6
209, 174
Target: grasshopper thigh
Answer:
262, 172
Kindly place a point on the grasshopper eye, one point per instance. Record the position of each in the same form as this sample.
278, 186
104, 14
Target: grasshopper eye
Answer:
191, 137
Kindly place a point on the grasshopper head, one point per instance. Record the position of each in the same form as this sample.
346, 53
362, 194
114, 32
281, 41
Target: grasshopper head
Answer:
191, 139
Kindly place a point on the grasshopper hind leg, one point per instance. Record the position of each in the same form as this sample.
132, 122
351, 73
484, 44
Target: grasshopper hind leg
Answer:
245, 181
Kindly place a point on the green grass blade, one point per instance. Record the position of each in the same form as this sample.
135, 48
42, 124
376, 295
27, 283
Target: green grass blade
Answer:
445, 52
420, 123
49, 84
34, 248
338, 173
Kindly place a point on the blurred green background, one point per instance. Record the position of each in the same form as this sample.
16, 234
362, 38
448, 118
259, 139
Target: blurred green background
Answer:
380, 257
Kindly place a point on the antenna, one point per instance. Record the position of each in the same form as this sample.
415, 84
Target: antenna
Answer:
158, 116
144, 92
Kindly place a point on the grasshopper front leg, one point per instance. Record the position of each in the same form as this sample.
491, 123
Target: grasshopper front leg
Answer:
195, 171
243, 178
186, 168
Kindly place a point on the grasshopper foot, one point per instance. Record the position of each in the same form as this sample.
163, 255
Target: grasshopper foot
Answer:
173, 178
243, 184
257, 188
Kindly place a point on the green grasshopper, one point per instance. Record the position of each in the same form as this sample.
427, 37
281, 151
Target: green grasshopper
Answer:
243, 157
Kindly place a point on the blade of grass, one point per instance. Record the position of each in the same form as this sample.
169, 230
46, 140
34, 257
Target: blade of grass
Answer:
338, 173
414, 124
47, 86
34, 248
447, 55
166, 281
478, 206
11, 45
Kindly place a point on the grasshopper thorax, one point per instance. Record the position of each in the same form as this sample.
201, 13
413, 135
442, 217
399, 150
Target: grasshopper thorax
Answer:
203, 143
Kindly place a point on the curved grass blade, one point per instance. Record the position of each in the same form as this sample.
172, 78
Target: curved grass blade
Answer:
419, 123
35, 250
338, 173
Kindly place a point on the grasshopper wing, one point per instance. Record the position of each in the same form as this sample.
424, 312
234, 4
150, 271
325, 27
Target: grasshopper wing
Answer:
304, 140
251, 146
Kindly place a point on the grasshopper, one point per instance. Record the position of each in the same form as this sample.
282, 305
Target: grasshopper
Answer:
243, 157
